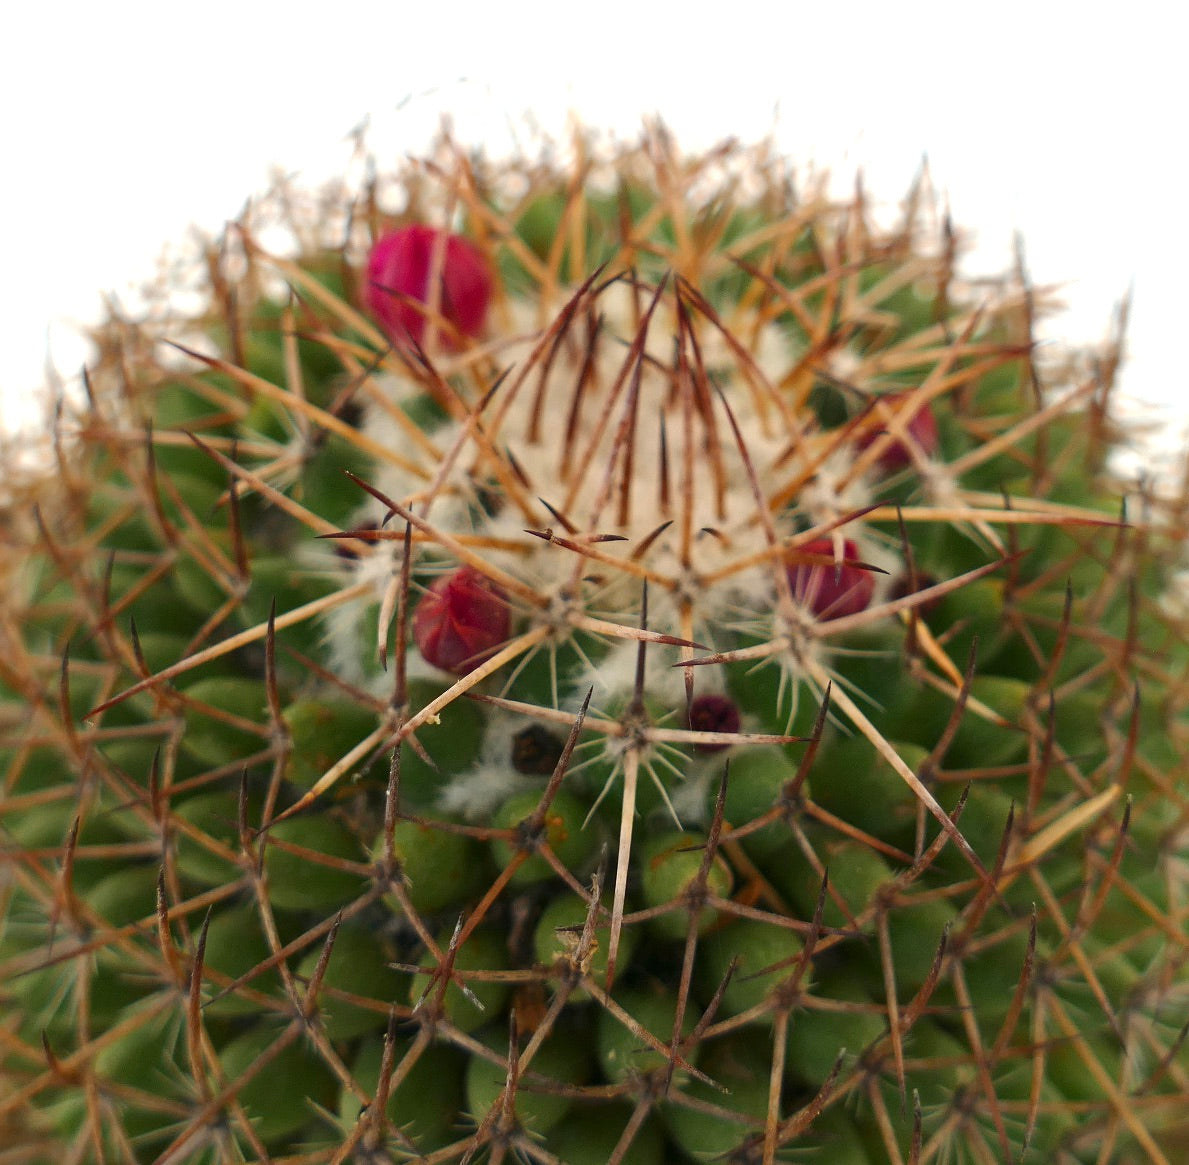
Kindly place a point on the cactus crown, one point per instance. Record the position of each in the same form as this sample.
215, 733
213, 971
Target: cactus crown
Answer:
624, 661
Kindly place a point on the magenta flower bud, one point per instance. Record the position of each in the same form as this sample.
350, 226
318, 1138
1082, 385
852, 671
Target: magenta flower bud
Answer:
461, 620
831, 590
922, 429
398, 270
713, 714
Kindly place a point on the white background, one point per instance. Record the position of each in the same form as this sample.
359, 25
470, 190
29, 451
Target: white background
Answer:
123, 124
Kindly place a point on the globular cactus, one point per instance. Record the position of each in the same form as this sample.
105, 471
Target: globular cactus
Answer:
623, 661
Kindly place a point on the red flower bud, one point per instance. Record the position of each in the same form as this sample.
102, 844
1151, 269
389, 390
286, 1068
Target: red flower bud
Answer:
713, 714
398, 271
460, 621
831, 590
922, 429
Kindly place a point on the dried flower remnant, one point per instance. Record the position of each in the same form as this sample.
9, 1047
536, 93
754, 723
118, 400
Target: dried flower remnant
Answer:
536, 750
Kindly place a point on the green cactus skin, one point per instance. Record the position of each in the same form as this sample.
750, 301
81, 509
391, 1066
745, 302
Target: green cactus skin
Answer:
272, 887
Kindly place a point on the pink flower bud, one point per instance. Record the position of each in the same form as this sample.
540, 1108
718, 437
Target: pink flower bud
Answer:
922, 429
398, 271
713, 714
460, 621
831, 590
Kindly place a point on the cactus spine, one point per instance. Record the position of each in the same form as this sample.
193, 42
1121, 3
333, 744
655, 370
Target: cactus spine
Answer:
623, 661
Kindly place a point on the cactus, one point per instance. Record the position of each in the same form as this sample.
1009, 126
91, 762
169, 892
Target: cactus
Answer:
624, 661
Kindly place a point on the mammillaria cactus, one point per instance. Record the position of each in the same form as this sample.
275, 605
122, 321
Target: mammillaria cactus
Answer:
618, 662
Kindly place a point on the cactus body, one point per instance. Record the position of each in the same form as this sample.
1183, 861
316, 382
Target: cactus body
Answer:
627, 663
